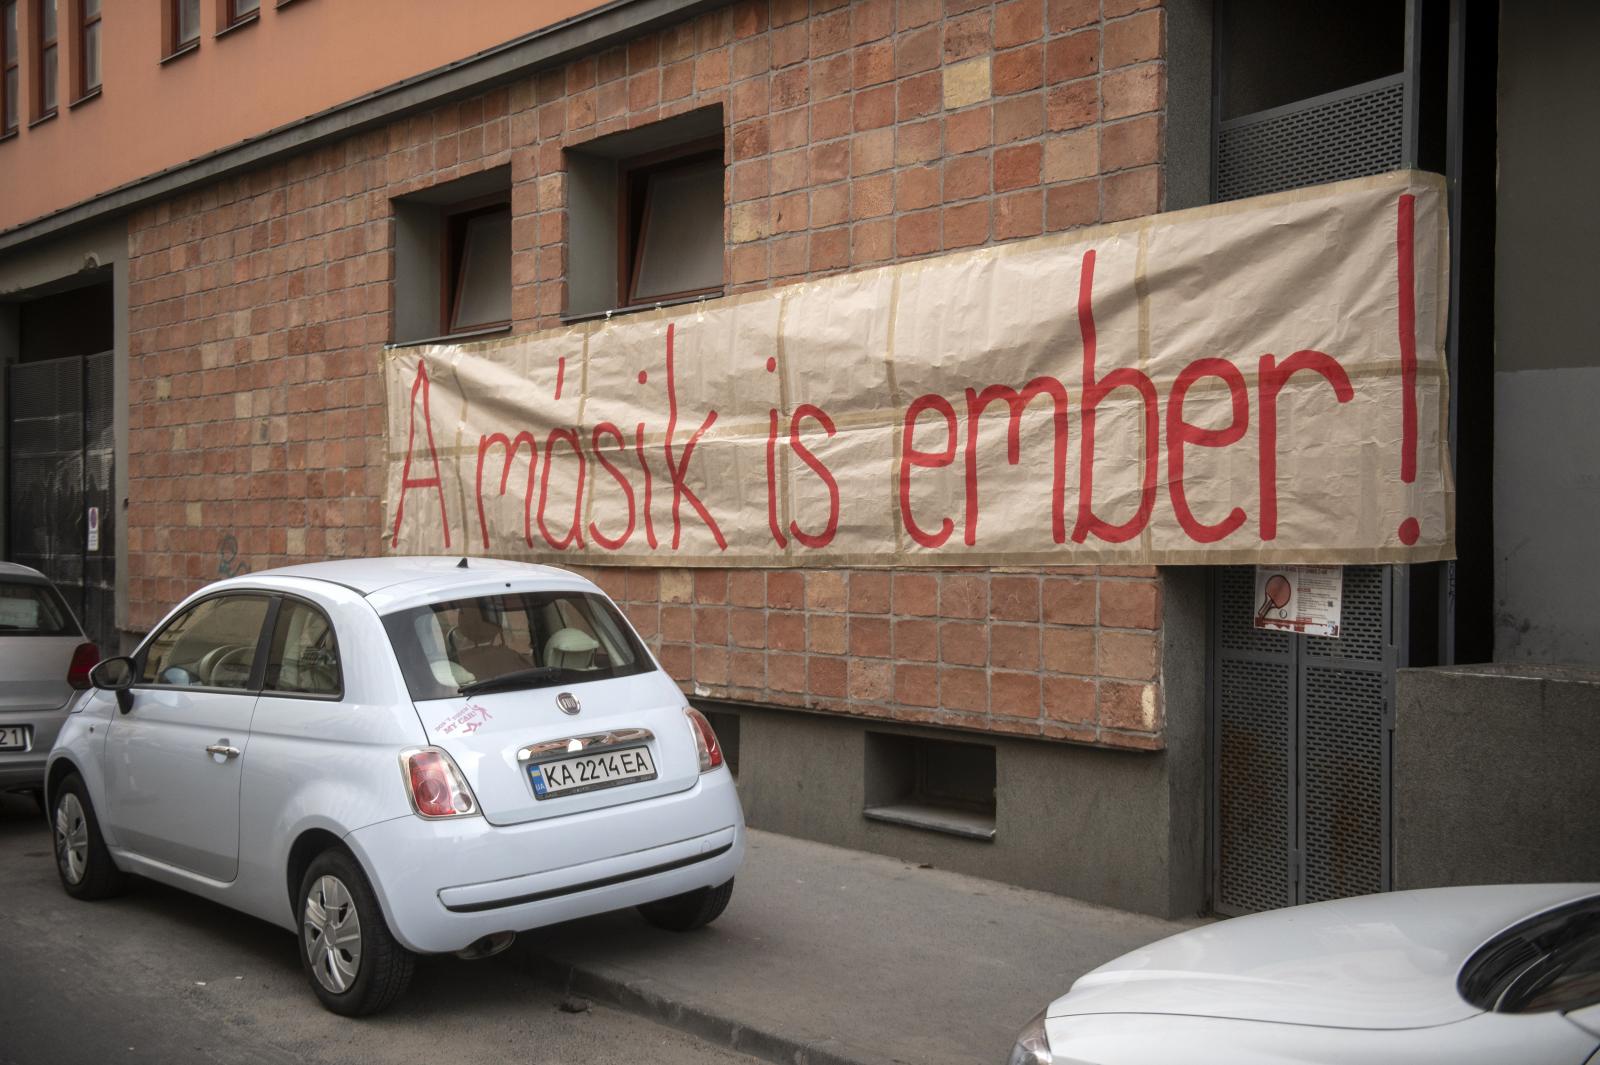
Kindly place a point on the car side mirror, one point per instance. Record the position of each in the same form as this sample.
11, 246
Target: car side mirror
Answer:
116, 675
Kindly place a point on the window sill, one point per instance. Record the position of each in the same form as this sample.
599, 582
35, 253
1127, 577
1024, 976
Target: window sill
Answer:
188, 49
42, 119
635, 308
92, 94
951, 822
249, 20
453, 338
8, 135
281, 4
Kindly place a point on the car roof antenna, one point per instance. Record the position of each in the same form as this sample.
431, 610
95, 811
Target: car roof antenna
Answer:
462, 564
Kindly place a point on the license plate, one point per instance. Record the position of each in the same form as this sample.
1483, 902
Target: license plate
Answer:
586, 772
14, 738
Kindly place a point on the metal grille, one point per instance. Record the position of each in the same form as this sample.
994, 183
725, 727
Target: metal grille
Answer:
1361, 621
1344, 744
1348, 134
1253, 799
1236, 595
61, 463
1302, 747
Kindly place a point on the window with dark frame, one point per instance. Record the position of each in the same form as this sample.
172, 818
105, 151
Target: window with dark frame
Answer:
88, 47
45, 33
237, 11
11, 80
669, 239
185, 24
645, 215
452, 258
476, 293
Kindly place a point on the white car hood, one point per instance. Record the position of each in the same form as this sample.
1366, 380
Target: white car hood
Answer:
1378, 961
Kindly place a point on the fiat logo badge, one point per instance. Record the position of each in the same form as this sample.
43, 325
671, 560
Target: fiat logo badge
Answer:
568, 702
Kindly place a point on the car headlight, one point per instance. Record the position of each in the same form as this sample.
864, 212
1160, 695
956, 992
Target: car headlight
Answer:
1033, 1045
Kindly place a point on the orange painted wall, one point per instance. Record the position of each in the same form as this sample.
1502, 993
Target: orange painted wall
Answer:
298, 59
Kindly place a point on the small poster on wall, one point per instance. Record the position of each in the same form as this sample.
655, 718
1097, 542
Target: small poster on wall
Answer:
1303, 599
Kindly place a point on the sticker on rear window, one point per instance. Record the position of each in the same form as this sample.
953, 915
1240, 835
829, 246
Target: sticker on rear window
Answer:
469, 718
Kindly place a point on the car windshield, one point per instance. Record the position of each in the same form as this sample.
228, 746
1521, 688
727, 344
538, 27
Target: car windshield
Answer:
515, 640
1548, 962
28, 608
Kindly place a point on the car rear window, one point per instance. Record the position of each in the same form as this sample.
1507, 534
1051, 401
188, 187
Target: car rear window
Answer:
579, 636
31, 609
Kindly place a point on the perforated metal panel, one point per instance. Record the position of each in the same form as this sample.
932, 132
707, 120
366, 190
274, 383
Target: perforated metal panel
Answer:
1236, 599
1352, 133
1363, 634
62, 458
1302, 747
1344, 751
1254, 808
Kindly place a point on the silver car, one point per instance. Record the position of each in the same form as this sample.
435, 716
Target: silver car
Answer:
44, 664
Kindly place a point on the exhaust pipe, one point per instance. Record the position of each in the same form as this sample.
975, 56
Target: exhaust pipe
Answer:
488, 946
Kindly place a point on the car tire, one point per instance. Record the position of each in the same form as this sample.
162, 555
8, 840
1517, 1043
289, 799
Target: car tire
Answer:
691, 910
335, 901
84, 864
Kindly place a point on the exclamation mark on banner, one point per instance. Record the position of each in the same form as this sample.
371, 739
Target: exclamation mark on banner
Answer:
1409, 529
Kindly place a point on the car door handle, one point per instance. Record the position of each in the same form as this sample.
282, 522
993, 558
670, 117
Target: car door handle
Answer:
223, 749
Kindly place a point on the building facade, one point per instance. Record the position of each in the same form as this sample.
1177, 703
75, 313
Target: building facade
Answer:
218, 216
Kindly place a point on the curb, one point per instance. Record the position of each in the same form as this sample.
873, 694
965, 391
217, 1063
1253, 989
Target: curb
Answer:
643, 997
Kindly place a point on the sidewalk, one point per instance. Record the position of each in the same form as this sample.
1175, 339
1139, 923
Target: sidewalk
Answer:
828, 956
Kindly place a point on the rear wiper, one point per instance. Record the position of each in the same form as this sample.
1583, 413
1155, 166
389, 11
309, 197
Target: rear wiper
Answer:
517, 678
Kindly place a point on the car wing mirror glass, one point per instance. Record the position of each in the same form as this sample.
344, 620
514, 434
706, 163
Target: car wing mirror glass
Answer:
113, 674
116, 675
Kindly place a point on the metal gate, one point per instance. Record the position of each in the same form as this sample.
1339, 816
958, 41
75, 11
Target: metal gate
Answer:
61, 467
1301, 734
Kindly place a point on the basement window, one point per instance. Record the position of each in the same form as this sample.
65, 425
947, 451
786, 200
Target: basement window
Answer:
934, 785
453, 259
645, 211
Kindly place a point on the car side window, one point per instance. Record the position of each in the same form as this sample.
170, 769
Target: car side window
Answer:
210, 645
304, 655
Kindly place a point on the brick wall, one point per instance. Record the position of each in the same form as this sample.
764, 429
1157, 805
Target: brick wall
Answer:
857, 134
1068, 653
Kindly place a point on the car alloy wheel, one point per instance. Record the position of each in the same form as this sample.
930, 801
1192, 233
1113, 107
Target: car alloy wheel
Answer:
333, 934
72, 838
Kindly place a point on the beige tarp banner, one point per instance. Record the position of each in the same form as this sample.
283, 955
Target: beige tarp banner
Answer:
1260, 381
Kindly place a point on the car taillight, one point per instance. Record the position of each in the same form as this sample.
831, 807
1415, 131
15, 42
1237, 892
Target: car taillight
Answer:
84, 658
705, 740
437, 787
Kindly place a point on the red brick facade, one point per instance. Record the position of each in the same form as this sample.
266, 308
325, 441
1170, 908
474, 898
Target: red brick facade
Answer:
856, 134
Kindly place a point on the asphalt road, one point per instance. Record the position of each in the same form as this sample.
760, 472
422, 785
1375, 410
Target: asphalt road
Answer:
162, 977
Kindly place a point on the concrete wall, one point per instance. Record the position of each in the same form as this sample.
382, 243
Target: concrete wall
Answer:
1547, 335
1495, 776
1092, 824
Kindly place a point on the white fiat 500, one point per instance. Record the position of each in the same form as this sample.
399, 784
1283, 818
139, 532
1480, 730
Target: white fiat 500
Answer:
397, 756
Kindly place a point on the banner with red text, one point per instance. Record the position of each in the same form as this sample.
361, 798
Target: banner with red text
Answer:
1260, 381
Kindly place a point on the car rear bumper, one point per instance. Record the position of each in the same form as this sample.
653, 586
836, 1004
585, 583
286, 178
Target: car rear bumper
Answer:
25, 769
445, 884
